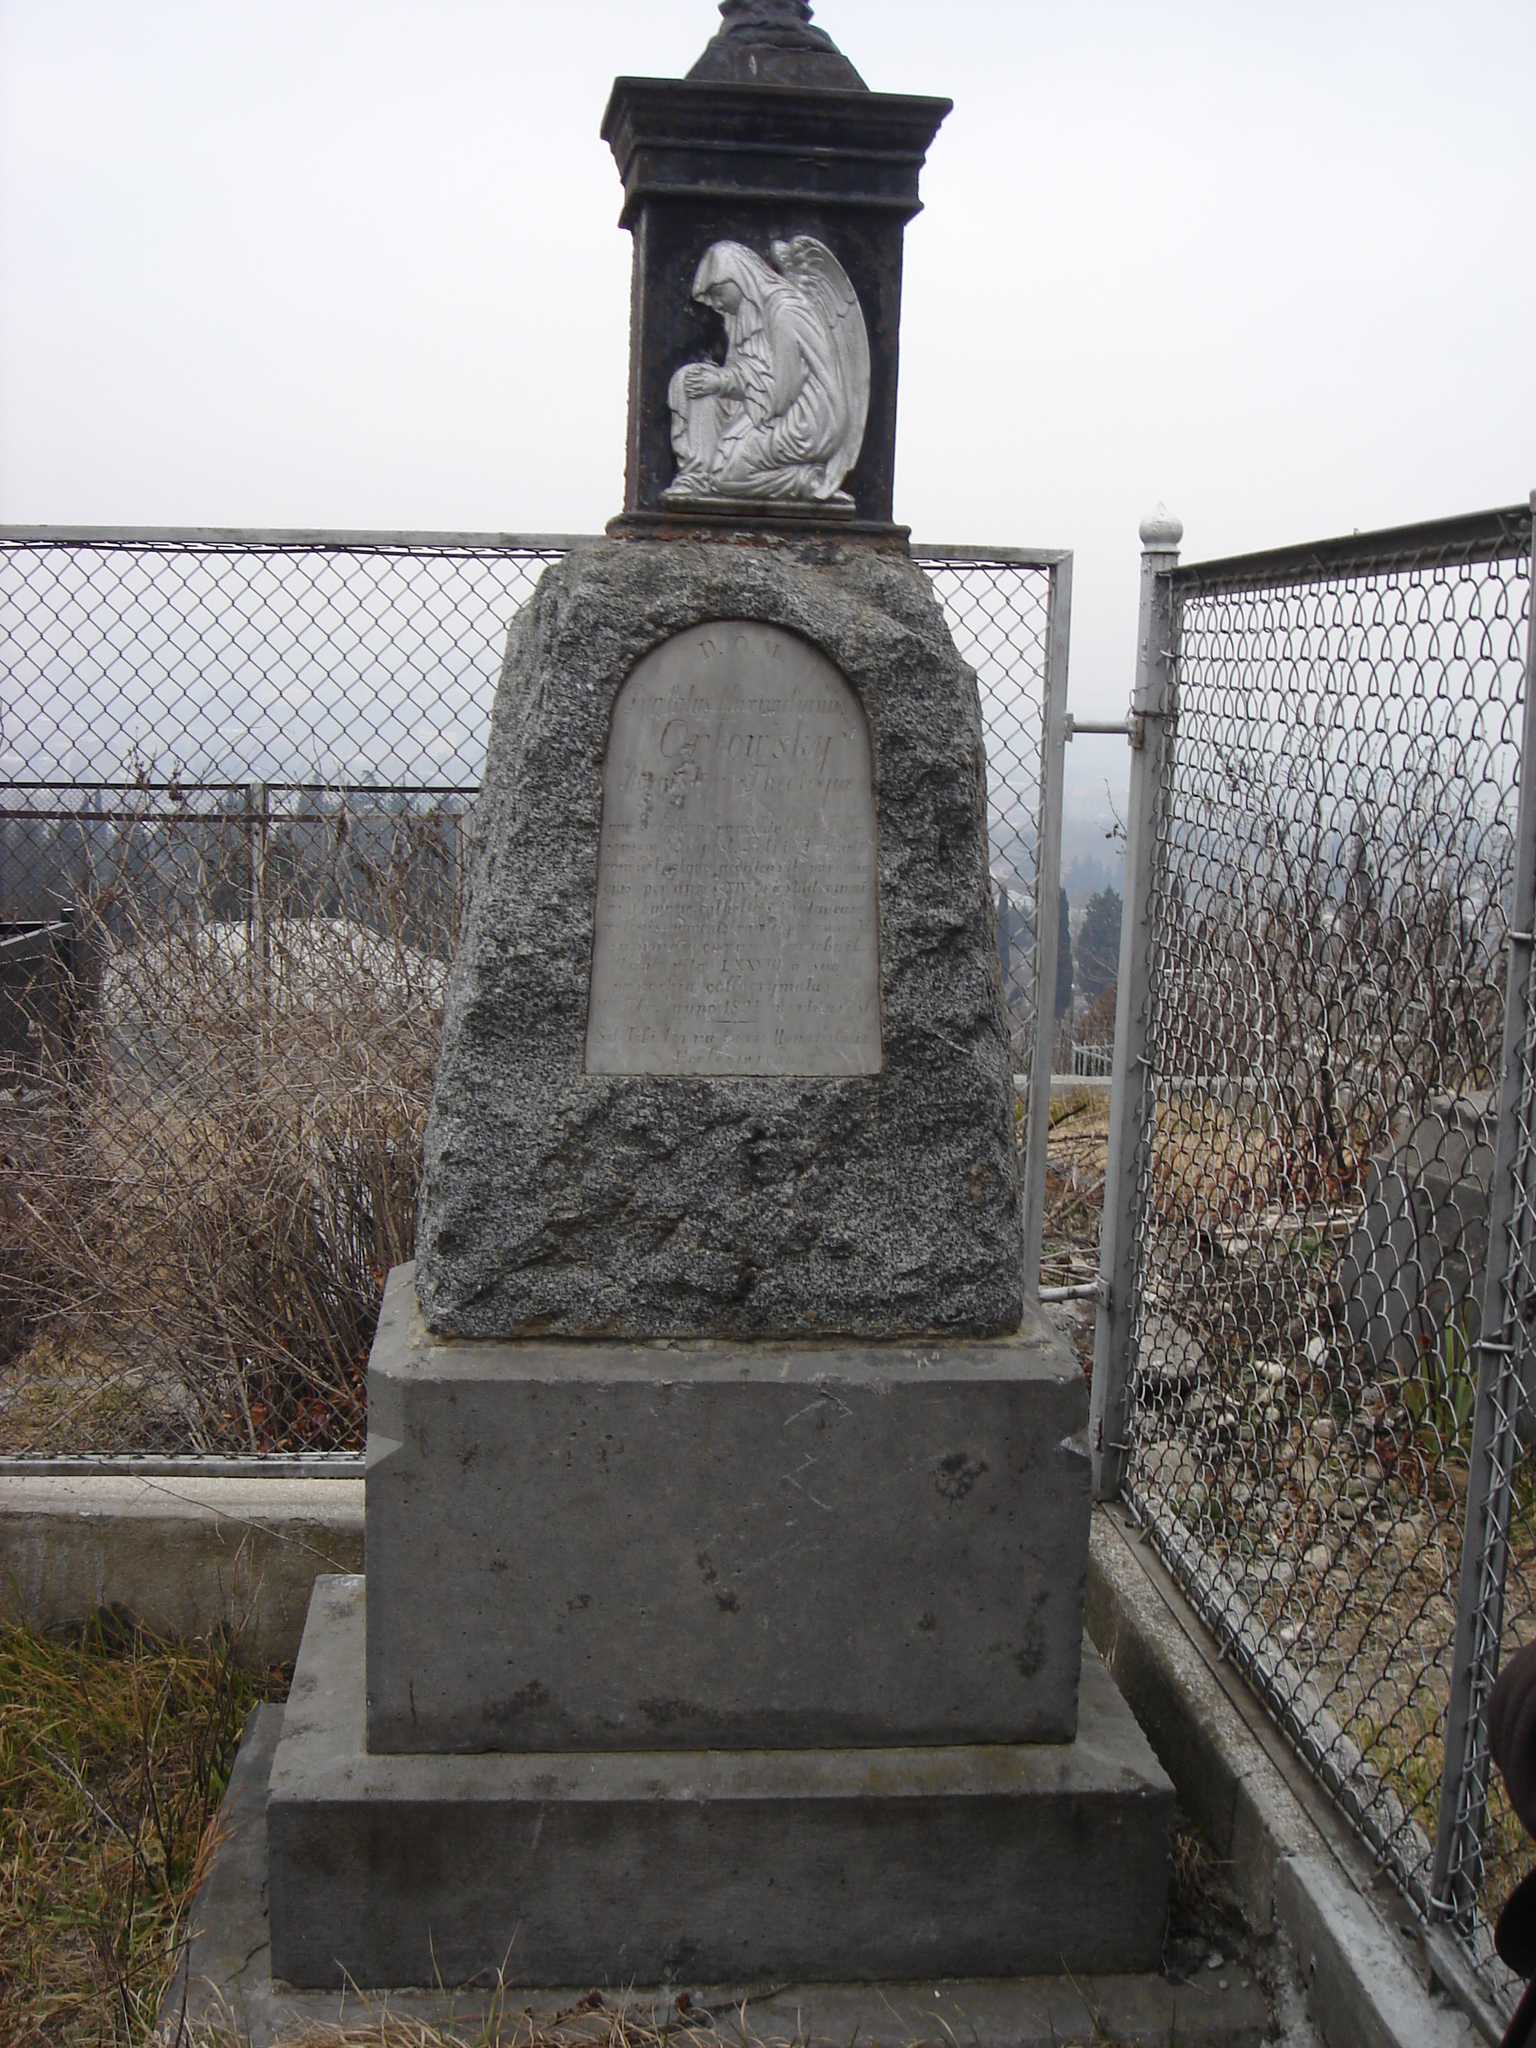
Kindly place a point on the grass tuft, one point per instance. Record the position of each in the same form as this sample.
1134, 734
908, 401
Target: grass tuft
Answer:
115, 1749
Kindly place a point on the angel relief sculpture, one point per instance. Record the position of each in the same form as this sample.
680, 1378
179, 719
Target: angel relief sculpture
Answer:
783, 416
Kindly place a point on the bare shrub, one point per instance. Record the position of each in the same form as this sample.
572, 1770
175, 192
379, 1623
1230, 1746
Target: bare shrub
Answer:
205, 1196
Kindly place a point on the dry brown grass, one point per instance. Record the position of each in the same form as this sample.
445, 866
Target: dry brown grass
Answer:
114, 1753
593, 2023
1215, 1167
1074, 1187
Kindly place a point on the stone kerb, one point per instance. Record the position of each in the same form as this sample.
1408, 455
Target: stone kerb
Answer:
557, 1201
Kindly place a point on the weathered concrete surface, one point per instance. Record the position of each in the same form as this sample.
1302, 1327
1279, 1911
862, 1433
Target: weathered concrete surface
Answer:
719, 1545
1227, 1784
185, 1554
227, 1969
1287, 1853
225, 1965
1360, 1987
652, 1867
558, 1201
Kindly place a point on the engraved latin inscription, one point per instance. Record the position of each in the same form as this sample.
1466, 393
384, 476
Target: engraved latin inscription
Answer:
736, 927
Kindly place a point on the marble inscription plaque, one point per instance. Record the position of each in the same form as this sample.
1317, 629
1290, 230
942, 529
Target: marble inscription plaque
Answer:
736, 927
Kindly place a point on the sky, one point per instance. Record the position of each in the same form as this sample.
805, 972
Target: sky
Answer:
356, 263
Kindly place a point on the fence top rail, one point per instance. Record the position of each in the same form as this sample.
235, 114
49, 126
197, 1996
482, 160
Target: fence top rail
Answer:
1493, 536
198, 785
292, 540
272, 1465
326, 540
985, 557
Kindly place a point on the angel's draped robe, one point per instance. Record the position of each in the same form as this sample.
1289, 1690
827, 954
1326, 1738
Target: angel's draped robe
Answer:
779, 418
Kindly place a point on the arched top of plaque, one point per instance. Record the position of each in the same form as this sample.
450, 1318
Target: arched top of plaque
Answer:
736, 927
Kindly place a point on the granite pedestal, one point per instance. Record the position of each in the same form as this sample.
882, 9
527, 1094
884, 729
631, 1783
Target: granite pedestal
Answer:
721, 1545
724, 1045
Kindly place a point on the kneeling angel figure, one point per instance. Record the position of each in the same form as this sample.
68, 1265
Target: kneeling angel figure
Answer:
783, 416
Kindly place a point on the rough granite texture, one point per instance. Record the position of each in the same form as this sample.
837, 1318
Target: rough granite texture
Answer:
557, 1202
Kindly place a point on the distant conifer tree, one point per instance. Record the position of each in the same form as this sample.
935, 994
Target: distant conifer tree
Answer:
1098, 943
1064, 961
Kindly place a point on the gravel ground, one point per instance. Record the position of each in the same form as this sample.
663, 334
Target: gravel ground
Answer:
1207, 1932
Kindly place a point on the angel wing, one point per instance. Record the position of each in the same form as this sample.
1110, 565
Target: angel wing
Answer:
812, 268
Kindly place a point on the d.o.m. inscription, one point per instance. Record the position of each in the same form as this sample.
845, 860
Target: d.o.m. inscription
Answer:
736, 926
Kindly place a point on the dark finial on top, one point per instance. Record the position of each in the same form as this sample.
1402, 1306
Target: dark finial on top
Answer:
772, 42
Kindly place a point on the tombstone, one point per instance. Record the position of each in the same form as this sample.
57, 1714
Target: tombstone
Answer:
1411, 1271
727, 1508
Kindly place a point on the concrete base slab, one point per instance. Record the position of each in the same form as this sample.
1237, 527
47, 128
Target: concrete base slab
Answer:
719, 1866
227, 1970
721, 1545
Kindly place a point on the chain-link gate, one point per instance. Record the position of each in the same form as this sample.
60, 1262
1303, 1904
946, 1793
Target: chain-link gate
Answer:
1294, 1382
236, 770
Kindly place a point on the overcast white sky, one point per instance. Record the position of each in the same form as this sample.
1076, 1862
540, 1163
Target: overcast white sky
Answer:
355, 263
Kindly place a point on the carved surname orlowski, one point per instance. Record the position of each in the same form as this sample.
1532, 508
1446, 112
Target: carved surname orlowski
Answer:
782, 418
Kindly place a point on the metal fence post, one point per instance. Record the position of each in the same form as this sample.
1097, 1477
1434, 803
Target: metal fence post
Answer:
1151, 706
1458, 1868
1053, 748
257, 810
258, 807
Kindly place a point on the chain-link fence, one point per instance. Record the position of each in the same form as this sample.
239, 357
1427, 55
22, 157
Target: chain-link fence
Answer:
1326, 802
236, 771
998, 606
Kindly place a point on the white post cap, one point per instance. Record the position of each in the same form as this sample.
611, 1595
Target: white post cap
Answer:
1161, 532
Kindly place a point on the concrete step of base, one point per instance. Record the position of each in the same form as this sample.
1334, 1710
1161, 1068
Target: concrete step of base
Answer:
227, 1970
719, 1865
